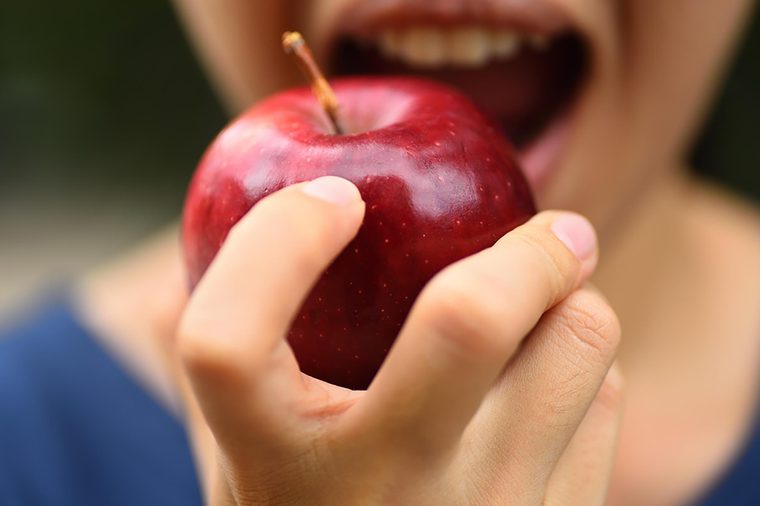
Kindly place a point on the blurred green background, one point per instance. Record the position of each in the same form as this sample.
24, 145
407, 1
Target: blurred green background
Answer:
100, 96
104, 112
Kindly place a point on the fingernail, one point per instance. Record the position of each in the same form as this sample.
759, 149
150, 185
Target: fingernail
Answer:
332, 189
577, 234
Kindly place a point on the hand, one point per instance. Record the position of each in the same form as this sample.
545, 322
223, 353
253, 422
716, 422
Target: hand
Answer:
497, 390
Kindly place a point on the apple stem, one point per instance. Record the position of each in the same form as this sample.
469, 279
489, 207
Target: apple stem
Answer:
294, 43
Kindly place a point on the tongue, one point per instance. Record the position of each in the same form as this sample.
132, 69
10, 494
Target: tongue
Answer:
522, 93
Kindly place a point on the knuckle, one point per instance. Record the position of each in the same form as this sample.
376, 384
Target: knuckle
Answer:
557, 271
305, 225
306, 234
414, 445
612, 391
536, 241
592, 323
457, 308
309, 227
308, 256
200, 352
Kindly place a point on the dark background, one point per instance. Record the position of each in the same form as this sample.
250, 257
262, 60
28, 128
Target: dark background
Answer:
104, 112
98, 96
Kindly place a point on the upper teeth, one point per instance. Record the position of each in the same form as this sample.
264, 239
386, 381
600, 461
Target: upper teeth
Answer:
459, 46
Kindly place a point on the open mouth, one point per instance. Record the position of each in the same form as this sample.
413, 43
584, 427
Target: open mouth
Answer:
523, 66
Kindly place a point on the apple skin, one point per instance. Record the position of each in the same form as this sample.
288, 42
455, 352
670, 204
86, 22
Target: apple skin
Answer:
439, 180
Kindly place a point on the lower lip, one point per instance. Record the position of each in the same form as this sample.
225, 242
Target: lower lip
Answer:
539, 158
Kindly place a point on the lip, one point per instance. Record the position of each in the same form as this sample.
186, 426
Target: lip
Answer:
362, 18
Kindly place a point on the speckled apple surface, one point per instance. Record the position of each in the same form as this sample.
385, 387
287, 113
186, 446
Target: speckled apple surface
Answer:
439, 181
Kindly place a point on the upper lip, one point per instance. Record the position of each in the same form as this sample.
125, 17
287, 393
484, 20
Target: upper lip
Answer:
365, 17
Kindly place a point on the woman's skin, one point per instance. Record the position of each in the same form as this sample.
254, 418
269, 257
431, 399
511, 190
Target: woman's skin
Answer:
679, 265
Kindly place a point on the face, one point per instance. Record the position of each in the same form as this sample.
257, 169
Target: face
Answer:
600, 97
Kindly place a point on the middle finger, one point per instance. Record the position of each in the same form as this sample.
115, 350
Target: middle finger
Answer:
465, 326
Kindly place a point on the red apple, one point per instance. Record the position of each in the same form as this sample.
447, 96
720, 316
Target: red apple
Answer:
439, 181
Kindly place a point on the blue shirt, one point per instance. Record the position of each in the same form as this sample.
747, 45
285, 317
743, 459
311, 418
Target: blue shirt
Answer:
76, 429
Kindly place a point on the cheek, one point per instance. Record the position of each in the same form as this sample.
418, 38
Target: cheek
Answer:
239, 44
644, 103
675, 52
